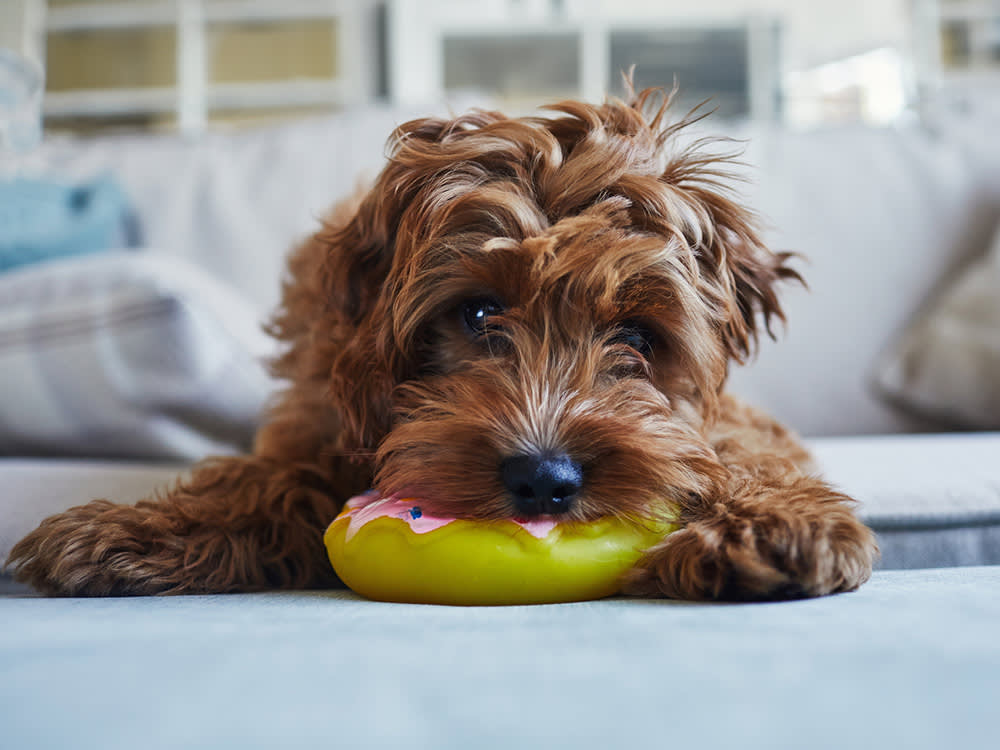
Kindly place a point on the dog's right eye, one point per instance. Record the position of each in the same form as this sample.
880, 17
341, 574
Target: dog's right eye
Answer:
477, 313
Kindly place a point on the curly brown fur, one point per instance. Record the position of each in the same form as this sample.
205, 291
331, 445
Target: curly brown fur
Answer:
616, 279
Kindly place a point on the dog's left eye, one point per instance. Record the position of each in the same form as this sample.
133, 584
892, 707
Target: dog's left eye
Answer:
477, 313
635, 336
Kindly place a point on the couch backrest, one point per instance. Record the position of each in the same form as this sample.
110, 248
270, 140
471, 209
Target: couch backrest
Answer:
881, 215
883, 218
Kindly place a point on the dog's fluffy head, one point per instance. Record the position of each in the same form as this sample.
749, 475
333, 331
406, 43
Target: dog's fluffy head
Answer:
572, 285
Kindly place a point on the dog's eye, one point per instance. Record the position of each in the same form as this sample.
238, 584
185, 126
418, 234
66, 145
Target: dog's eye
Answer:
477, 313
636, 336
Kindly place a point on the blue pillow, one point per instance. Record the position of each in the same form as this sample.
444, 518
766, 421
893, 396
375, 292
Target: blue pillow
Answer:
41, 220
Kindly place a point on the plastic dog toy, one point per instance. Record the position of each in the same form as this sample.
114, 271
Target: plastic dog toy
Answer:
388, 549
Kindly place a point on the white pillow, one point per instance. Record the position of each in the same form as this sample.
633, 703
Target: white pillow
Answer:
127, 355
947, 362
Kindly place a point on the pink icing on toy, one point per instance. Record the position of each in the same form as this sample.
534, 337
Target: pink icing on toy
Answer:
371, 505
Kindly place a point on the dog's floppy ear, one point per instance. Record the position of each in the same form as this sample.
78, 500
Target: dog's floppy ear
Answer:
354, 275
364, 364
330, 325
749, 275
740, 275
358, 250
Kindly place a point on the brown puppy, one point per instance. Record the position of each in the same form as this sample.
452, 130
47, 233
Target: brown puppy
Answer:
522, 316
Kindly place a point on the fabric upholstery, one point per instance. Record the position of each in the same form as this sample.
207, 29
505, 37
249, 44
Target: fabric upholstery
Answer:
947, 363
933, 500
127, 355
42, 219
34, 489
911, 661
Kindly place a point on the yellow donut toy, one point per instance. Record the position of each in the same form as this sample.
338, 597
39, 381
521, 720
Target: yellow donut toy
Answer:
388, 549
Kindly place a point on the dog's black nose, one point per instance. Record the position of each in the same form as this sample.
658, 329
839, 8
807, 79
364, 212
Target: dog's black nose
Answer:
542, 483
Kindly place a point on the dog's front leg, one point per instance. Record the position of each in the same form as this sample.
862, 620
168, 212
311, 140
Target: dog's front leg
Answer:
760, 539
239, 524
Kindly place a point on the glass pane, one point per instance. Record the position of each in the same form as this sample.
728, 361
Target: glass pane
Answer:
955, 44
110, 58
272, 51
707, 63
513, 66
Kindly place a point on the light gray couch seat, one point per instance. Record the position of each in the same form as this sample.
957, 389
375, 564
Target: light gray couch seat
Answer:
933, 500
911, 660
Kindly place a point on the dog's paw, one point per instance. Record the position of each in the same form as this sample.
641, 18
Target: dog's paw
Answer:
98, 549
788, 543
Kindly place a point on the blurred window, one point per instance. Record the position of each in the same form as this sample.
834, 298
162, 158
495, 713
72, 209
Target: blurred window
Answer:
545, 65
712, 64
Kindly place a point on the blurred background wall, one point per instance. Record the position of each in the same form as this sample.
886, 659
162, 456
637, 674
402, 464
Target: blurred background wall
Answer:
194, 64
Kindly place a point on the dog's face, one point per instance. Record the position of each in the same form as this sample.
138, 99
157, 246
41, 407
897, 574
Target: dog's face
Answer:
536, 316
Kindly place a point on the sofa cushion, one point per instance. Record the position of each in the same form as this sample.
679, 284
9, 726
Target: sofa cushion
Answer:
127, 355
933, 500
43, 219
909, 661
947, 363
34, 489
